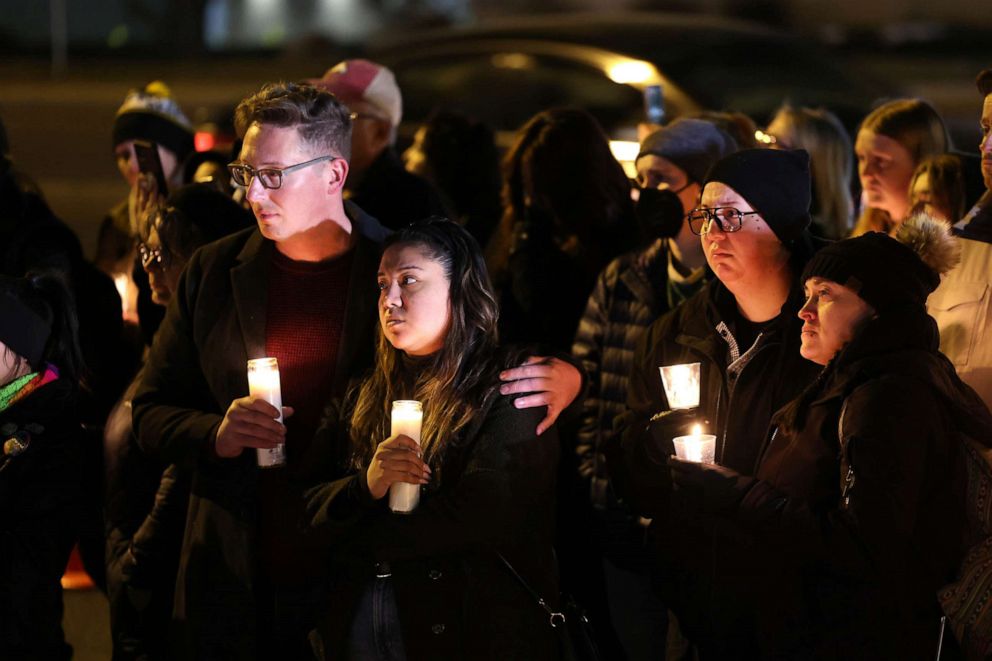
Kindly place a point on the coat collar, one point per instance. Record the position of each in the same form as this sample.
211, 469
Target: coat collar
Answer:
250, 284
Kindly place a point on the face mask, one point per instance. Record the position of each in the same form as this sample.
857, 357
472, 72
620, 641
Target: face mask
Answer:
659, 213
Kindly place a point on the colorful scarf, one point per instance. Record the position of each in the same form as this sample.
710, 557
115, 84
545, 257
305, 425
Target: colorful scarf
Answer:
20, 388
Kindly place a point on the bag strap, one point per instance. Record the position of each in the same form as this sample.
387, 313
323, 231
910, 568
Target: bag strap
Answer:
555, 619
846, 469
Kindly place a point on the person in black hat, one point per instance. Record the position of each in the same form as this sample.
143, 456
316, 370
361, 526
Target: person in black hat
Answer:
151, 115
40, 461
858, 504
630, 293
743, 331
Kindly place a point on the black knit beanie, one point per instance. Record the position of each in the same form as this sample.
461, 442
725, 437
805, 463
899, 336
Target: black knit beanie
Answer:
693, 145
883, 271
152, 114
775, 182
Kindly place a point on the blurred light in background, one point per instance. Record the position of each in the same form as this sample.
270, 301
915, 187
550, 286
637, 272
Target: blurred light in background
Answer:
204, 141
626, 151
632, 72
347, 21
763, 138
519, 61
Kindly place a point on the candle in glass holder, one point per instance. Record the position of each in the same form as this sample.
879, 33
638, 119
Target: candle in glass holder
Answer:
681, 385
263, 383
406, 419
697, 447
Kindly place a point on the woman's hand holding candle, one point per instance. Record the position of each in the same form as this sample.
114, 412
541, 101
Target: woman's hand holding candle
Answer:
397, 459
714, 488
250, 422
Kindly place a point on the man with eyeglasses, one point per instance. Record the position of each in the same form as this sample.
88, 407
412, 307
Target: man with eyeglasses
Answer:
743, 329
300, 287
295, 288
377, 180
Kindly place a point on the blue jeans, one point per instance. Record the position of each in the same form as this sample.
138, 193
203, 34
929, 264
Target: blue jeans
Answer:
375, 630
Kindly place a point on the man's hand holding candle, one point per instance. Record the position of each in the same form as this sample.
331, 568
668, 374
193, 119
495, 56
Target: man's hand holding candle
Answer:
397, 459
250, 422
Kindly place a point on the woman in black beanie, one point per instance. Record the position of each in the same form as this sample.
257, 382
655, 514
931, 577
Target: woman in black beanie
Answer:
858, 501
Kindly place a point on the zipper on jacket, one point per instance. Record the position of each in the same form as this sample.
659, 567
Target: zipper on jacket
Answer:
747, 357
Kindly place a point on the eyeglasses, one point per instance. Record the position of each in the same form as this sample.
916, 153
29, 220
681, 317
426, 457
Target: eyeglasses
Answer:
153, 257
270, 178
728, 218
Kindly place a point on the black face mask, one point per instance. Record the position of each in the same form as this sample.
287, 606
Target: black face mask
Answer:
659, 213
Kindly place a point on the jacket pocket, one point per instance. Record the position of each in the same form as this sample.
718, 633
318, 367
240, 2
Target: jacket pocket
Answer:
957, 309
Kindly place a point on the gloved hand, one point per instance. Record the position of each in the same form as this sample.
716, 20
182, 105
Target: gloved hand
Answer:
711, 487
666, 425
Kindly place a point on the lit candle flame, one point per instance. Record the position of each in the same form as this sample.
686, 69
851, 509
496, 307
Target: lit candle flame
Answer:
697, 430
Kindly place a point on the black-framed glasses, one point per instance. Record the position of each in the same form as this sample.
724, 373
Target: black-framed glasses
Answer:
729, 219
270, 178
153, 257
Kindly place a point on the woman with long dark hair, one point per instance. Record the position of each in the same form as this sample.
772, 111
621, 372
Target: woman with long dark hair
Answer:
567, 212
40, 462
430, 584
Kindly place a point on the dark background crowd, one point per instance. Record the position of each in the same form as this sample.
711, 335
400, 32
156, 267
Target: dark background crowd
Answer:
580, 184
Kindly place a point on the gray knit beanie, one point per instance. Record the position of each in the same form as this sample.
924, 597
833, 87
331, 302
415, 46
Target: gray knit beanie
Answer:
693, 145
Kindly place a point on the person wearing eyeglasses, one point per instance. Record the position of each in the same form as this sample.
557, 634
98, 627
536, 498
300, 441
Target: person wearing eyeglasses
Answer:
293, 288
247, 583
146, 497
742, 328
377, 180
630, 293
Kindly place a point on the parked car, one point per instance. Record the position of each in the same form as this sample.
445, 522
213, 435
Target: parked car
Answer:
504, 72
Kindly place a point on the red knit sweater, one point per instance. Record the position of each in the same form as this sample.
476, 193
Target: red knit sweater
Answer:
304, 324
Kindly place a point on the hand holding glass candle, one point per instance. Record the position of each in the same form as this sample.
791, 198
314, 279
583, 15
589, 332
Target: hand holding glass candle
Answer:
263, 383
406, 419
697, 447
681, 385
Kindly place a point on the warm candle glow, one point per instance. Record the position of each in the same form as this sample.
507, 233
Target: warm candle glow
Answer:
681, 384
263, 383
696, 447
407, 418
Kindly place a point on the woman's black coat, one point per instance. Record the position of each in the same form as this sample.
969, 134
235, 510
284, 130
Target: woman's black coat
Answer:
855, 574
495, 492
39, 498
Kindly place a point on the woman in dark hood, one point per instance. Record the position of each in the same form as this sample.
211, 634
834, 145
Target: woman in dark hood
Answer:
858, 502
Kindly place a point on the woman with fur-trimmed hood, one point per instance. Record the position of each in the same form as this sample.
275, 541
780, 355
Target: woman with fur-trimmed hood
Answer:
858, 501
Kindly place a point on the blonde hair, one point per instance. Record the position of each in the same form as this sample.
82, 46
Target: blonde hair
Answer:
821, 134
916, 126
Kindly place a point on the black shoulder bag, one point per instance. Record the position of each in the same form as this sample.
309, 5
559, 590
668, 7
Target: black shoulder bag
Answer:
576, 639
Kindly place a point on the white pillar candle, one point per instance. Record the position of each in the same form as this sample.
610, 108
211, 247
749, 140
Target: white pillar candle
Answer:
696, 447
407, 417
681, 384
263, 383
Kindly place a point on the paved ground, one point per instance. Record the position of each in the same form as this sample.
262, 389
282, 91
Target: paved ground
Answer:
87, 624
